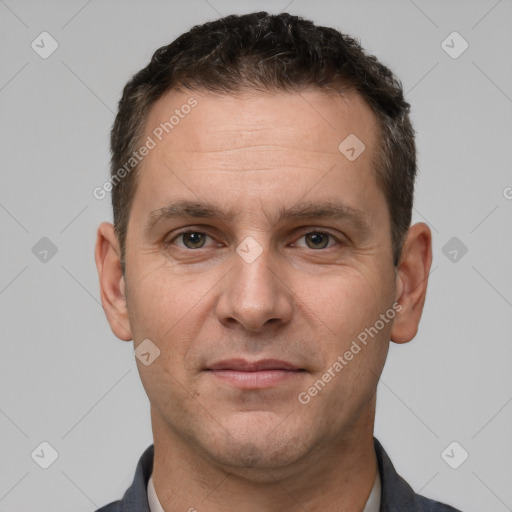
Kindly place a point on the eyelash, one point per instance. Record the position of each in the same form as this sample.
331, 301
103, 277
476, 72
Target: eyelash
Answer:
167, 243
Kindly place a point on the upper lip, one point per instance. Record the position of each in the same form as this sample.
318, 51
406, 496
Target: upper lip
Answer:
254, 366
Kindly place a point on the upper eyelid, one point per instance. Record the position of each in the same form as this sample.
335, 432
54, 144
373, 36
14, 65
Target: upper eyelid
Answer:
169, 240
301, 232
338, 239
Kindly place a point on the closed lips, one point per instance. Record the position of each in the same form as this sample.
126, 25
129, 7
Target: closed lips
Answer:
256, 366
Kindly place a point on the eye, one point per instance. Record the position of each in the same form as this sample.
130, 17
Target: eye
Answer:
317, 240
191, 239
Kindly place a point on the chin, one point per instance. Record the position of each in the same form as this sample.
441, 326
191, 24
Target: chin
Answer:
252, 448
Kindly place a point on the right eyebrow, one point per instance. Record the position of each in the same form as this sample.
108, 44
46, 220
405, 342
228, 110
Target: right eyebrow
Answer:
186, 209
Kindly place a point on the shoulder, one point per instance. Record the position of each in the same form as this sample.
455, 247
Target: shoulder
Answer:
397, 495
135, 498
427, 505
115, 506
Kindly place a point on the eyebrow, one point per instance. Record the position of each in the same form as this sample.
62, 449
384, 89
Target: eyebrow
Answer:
306, 210
181, 209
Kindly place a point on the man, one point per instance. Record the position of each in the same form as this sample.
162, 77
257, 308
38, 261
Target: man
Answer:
261, 259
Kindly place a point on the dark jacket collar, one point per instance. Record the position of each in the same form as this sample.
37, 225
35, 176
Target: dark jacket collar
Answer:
396, 493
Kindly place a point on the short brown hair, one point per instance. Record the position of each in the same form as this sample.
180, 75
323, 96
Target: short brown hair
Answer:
270, 53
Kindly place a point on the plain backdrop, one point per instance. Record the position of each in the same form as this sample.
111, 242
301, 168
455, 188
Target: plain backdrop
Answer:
67, 381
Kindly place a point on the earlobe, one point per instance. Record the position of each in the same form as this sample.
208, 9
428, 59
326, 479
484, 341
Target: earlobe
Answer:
112, 285
412, 278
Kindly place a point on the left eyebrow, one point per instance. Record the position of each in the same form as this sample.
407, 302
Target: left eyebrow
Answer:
308, 210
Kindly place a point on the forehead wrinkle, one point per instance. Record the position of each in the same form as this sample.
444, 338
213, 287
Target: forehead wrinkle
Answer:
263, 148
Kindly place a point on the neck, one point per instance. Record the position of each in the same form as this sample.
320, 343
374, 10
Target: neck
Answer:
336, 476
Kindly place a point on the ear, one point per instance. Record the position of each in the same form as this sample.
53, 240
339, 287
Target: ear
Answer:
112, 285
412, 277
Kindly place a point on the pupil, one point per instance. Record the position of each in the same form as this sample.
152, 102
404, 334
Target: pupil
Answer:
193, 239
318, 239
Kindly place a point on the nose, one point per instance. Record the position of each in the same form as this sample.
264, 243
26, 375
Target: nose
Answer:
254, 295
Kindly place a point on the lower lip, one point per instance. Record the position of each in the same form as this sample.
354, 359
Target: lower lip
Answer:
255, 380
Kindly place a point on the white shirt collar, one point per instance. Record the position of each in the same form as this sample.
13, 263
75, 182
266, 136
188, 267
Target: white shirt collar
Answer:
154, 503
372, 504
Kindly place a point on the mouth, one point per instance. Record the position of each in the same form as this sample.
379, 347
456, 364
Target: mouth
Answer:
254, 375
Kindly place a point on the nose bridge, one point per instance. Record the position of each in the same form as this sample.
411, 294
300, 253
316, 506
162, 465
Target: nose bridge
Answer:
254, 279
253, 295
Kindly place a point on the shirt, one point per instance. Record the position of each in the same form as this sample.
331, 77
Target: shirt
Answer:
395, 493
372, 504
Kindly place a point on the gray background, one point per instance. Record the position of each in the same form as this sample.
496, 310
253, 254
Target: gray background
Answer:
65, 379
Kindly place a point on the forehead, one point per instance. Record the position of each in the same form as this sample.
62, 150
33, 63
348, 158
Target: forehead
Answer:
310, 120
257, 148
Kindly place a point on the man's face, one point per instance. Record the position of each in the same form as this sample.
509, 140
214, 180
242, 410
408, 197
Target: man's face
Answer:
297, 265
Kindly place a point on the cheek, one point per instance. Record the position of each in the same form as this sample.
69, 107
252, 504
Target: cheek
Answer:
161, 302
345, 301
347, 307
167, 388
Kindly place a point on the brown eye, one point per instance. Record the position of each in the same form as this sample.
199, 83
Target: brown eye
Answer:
317, 240
193, 239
